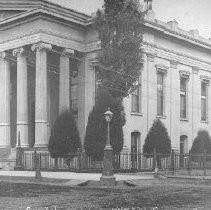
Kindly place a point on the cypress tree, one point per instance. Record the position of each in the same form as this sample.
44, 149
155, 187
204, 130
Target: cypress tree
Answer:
157, 138
64, 137
96, 130
119, 25
201, 144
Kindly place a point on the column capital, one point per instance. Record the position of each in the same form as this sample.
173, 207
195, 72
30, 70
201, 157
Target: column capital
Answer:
19, 51
41, 46
68, 52
3, 55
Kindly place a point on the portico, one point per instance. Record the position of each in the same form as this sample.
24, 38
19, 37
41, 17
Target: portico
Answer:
19, 61
43, 49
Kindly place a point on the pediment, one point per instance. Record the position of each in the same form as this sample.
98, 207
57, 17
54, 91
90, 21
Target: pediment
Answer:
7, 14
13, 8
10, 8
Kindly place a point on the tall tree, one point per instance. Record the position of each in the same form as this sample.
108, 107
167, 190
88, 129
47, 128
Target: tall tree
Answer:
64, 137
96, 130
158, 139
119, 26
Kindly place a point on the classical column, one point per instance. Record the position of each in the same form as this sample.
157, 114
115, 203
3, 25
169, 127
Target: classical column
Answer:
5, 101
41, 97
22, 97
64, 80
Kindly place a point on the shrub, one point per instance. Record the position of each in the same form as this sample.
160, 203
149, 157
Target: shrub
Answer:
157, 138
64, 137
201, 144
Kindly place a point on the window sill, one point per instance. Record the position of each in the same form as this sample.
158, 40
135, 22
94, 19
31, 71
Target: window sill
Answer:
184, 119
204, 121
136, 114
161, 117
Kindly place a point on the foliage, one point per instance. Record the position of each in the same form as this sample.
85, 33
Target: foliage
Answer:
157, 138
119, 26
96, 130
201, 144
64, 137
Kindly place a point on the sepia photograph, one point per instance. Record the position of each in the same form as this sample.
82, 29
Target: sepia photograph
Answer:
105, 104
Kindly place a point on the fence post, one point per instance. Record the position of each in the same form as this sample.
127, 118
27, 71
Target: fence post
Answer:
189, 163
155, 166
154, 158
204, 161
37, 166
19, 155
172, 161
79, 157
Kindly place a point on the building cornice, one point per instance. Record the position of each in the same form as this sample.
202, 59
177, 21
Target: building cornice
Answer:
178, 33
67, 14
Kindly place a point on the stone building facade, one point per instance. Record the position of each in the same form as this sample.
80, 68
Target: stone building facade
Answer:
47, 57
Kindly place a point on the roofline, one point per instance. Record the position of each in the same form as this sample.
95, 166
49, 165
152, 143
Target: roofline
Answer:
67, 14
70, 18
177, 33
25, 5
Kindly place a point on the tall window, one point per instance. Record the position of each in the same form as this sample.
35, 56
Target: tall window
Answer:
183, 97
204, 101
135, 100
136, 97
160, 93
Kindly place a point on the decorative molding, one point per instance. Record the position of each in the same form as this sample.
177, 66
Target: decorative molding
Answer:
185, 74
41, 46
49, 37
19, 51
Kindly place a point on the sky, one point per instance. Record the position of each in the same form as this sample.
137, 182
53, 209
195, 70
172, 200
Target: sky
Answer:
190, 14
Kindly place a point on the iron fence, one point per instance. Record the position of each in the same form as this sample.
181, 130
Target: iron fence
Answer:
121, 162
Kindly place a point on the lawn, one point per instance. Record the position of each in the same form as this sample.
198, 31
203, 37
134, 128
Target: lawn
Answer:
163, 194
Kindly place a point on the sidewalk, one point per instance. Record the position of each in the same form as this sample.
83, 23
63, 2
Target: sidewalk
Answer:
64, 178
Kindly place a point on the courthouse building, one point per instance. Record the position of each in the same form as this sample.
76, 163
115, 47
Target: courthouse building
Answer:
47, 64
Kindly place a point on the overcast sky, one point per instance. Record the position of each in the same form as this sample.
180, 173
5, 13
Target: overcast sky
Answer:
191, 14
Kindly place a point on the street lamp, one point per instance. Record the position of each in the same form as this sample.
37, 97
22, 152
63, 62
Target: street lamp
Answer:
107, 177
108, 117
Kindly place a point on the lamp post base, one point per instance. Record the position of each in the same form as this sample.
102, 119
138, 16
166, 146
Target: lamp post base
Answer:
108, 180
107, 177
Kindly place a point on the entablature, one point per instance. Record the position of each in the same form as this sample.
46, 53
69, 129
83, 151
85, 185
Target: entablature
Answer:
176, 57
